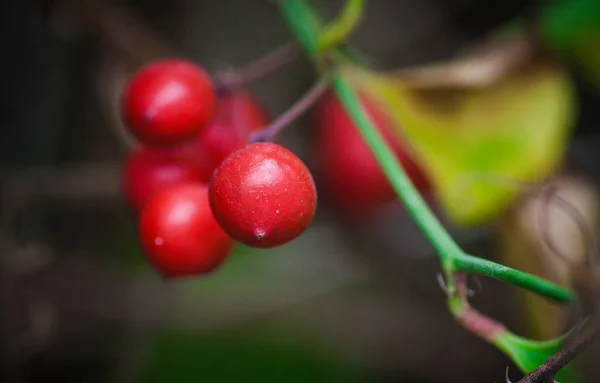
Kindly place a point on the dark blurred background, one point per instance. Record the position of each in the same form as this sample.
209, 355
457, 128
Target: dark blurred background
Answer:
79, 303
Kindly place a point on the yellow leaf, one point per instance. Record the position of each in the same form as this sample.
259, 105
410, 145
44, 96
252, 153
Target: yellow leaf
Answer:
515, 127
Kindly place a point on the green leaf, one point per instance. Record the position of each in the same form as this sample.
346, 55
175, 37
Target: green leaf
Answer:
514, 128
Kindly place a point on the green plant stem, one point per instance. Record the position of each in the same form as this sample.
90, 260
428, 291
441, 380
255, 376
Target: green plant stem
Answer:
469, 263
305, 25
443, 243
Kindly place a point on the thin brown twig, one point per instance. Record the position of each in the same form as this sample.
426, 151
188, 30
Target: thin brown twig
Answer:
120, 27
547, 371
255, 70
129, 34
295, 111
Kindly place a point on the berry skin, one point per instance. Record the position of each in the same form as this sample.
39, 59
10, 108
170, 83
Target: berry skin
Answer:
148, 171
238, 114
179, 235
168, 102
347, 171
263, 195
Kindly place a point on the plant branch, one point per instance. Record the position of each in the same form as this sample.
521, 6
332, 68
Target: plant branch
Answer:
122, 28
547, 371
305, 24
295, 111
469, 263
259, 68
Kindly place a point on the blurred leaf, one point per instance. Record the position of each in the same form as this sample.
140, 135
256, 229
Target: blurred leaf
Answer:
564, 23
514, 128
572, 29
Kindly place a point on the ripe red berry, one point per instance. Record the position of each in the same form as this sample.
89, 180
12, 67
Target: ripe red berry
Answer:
348, 173
168, 102
148, 171
238, 114
263, 195
179, 234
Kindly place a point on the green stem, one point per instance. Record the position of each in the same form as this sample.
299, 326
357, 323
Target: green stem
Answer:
300, 17
443, 243
469, 263
305, 24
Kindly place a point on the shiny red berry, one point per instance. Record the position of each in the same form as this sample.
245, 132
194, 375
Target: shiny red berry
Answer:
347, 172
238, 114
263, 195
148, 171
168, 102
179, 235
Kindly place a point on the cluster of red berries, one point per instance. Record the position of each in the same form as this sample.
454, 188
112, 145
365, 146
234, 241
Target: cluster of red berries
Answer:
195, 183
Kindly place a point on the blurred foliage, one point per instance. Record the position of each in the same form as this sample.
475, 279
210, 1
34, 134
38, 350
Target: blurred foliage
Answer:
571, 28
515, 128
249, 354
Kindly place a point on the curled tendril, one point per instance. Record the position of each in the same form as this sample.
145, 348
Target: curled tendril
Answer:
548, 194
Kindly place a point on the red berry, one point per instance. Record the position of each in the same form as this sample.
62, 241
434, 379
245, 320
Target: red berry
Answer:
168, 102
179, 234
238, 115
263, 195
347, 171
151, 170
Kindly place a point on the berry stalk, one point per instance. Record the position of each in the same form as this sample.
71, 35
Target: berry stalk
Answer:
295, 111
257, 69
305, 24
